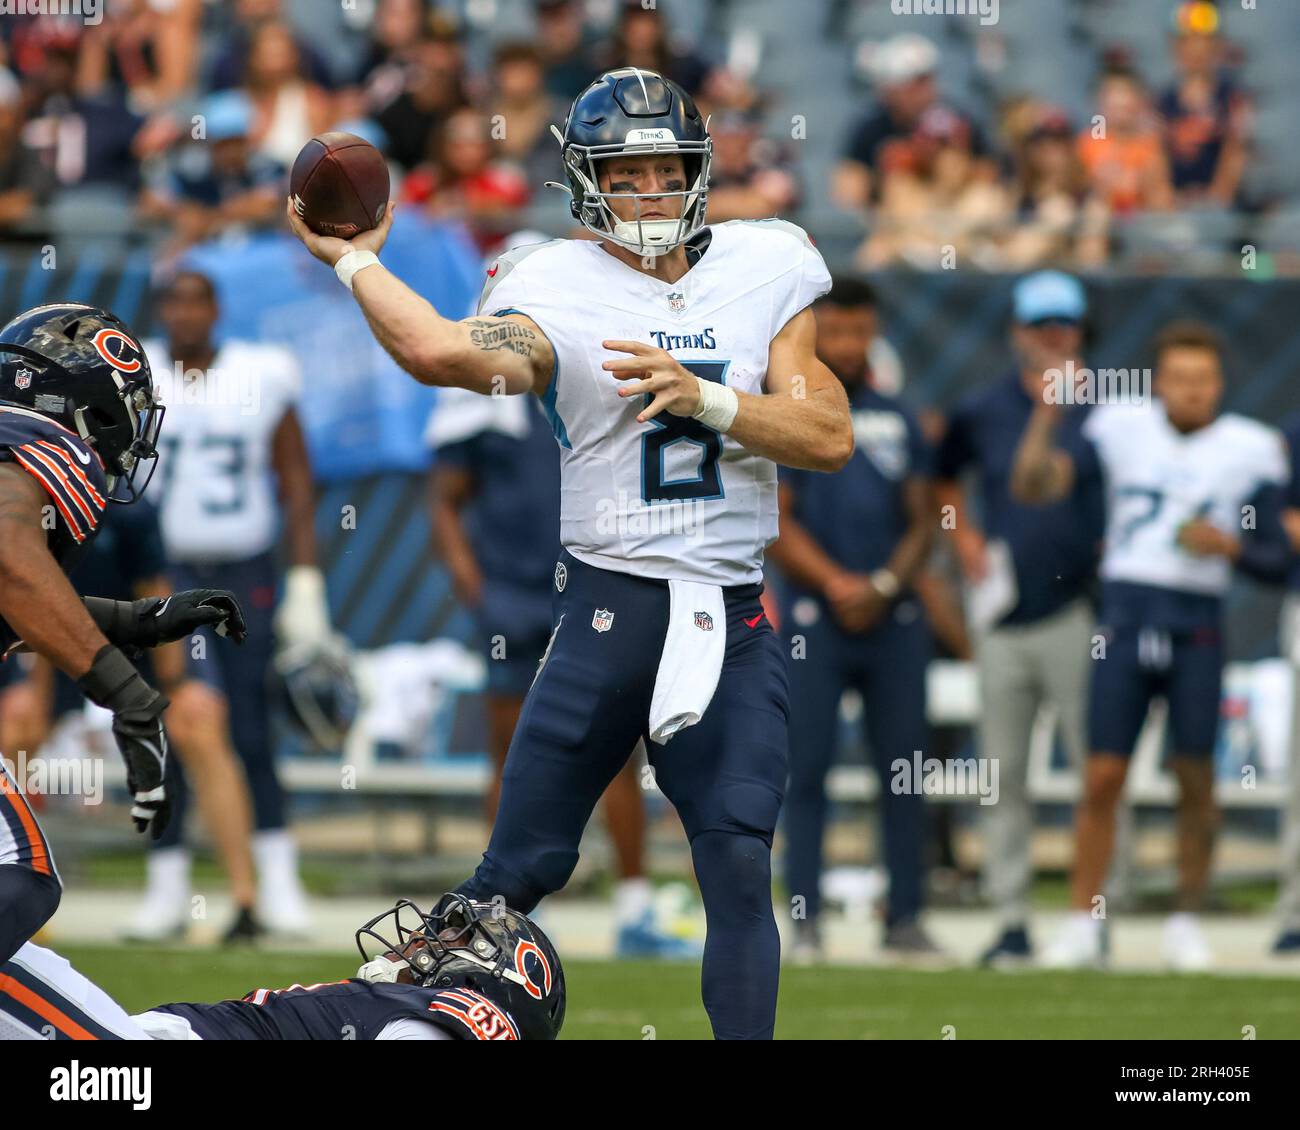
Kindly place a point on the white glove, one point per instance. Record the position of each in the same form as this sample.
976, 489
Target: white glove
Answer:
303, 618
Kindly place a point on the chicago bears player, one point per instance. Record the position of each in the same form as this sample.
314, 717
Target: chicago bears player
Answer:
78, 428
1190, 494
466, 971
677, 365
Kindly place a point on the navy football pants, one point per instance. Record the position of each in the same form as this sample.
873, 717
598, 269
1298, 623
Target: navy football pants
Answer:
725, 775
887, 667
240, 673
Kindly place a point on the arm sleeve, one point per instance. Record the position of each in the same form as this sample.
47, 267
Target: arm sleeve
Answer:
409, 1028
1265, 550
804, 284
955, 451
68, 470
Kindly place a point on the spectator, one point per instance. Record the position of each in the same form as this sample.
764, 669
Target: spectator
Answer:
397, 27
1051, 198
24, 181
1204, 113
144, 51
1122, 154
750, 178
82, 141
462, 181
566, 51
850, 546
932, 198
523, 112
903, 72
1028, 572
233, 58
288, 110
412, 97
217, 182
640, 40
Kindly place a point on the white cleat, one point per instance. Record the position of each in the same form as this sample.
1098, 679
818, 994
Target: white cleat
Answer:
1185, 947
1077, 945
161, 916
284, 911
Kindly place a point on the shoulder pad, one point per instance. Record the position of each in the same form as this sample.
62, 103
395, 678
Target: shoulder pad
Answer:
775, 224
506, 263
469, 1015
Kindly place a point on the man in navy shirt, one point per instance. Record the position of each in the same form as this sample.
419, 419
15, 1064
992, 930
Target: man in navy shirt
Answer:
850, 544
496, 522
1028, 571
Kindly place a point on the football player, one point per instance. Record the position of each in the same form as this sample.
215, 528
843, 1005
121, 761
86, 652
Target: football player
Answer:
677, 365
465, 971
1191, 494
232, 465
78, 429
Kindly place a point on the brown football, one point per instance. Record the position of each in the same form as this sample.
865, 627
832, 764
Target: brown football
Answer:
339, 184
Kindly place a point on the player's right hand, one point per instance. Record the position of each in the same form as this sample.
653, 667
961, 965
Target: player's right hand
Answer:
113, 683
330, 249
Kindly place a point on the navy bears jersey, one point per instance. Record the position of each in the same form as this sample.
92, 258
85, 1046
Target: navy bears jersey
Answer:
346, 1010
69, 470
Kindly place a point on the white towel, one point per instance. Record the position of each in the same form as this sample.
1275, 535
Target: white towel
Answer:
691, 662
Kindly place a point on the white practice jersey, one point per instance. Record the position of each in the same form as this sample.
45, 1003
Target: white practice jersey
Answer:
669, 498
1158, 478
215, 486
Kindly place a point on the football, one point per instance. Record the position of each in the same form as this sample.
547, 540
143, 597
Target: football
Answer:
339, 185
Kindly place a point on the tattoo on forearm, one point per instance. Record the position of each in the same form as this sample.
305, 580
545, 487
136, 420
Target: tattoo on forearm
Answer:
489, 335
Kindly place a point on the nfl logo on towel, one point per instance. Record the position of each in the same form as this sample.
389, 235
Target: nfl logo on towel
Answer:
602, 620
704, 621
23, 378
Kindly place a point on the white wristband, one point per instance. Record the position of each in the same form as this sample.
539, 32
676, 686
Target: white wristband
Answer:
351, 263
718, 405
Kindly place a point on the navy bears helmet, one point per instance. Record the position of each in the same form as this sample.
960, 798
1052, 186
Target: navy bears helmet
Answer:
634, 112
81, 367
317, 693
489, 949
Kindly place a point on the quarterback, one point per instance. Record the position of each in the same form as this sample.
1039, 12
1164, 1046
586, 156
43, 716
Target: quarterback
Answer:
677, 366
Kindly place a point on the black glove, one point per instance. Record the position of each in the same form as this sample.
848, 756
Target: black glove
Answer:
137, 710
149, 622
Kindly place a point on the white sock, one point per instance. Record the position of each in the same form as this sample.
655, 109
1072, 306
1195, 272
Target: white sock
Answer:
275, 854
167, 873
71, 993
1082, 920
633, 898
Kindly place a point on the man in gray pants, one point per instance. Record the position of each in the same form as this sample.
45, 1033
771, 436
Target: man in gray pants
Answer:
1028, 570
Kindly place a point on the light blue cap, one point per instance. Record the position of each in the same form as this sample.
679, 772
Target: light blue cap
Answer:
1049, 294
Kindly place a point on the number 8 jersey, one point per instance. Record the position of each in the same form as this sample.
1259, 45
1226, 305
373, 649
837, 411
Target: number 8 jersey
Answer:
670, 498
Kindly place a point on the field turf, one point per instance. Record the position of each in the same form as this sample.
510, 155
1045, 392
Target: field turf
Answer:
640, 1000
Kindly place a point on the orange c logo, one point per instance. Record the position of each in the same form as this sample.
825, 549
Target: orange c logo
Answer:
522, 950
127, 364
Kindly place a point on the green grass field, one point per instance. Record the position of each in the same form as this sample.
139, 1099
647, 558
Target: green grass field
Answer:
636, 1000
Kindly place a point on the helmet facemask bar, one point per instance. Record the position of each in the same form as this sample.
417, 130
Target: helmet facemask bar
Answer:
646, 237
146, 413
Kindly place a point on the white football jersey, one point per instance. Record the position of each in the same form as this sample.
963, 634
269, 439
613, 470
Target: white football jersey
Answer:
214, 485
1158, 478
669, 498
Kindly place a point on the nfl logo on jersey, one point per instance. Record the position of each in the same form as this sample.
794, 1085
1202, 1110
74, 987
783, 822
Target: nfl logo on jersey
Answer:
23, 378
602, 620
677, 302
704, 621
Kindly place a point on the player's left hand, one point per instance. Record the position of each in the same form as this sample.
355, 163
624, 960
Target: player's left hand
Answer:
656, 372
1205, 540
183, 613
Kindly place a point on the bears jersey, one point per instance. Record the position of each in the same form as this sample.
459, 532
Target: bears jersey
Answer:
71, 473
214, 485
669, 498
347, 1010
1157, 479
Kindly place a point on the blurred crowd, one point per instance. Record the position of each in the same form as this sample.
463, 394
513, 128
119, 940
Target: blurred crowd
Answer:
181, 118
